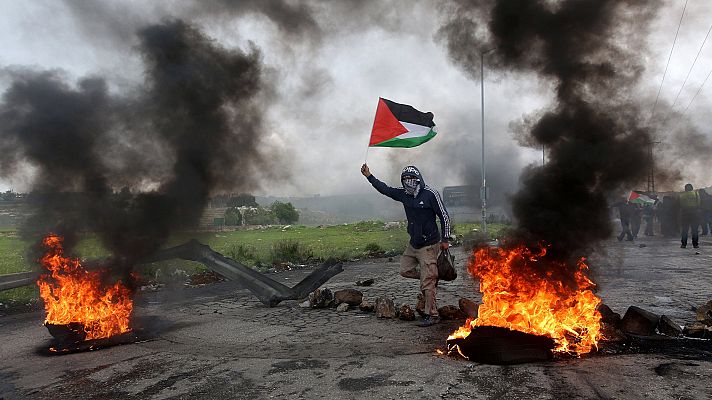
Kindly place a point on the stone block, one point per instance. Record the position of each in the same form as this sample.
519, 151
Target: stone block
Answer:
668, 327
608, 316
451, 312
366, 306
468, 307
639, 321
385, 308
406, 313
352, 297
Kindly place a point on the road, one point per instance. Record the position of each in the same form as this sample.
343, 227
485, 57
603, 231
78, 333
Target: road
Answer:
217, 341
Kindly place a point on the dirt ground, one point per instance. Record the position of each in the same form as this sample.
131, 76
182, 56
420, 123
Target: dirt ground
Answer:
217, 341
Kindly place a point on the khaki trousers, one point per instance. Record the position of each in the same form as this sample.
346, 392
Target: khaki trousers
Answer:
426, 258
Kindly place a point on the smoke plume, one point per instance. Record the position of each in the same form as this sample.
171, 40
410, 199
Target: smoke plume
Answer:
595, 138
135, 167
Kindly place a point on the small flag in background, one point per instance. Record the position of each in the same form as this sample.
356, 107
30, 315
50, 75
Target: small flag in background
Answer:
400, 125
639, 198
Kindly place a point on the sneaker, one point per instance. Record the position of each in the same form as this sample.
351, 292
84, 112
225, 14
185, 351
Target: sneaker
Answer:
428, 321
696, 246
683, 246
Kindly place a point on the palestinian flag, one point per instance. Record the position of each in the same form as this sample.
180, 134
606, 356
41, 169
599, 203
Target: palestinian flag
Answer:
400, 125
639, 198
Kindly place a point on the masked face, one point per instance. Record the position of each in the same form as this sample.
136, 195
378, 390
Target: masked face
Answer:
411, 185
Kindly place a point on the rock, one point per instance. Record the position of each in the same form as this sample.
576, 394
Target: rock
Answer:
406, 313
468, 307
451, 312
321, 298
366, 306
608, 316
704, 313
420, 305
350, 296
343, 307
365, 282
385, 308
390, 259
668, 327
391, 225
639, 322
610, 333
698, 330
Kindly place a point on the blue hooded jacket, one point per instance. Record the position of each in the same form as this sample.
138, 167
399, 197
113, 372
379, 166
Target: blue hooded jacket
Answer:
420, 210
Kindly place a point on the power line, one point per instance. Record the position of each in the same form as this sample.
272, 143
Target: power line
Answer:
691, 67
668, 61
698, 92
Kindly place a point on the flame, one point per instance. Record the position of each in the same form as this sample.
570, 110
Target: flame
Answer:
74, 295
516, 296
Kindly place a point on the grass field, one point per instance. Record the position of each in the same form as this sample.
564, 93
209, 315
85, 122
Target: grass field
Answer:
254, 247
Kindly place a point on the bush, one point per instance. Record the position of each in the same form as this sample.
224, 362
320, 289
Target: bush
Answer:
290, 251
244, 254
373, 250
285, 212
233, 217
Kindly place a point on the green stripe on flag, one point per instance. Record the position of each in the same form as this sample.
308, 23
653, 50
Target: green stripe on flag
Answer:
407, 142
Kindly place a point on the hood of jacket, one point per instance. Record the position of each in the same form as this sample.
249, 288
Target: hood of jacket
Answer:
412, 172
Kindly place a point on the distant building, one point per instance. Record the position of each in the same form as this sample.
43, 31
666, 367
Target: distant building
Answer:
464, 205
461, 196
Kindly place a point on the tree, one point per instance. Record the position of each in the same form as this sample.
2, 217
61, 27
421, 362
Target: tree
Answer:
233, 217
7, 196
258, 216
285, 212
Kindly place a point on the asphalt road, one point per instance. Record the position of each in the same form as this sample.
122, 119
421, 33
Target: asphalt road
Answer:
218, 342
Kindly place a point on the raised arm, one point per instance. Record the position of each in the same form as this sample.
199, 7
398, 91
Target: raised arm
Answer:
395, 194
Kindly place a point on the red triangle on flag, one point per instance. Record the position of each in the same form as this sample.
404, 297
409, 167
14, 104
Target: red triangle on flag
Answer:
385, 126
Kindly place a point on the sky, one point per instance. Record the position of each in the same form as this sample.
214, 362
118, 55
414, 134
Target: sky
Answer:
329, 62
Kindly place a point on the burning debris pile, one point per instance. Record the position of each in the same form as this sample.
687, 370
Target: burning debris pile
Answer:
516, 298
80, 304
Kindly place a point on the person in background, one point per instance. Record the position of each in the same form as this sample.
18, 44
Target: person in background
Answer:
635, 219
422, 205
705, 211
649, 217
689, 216
624, 213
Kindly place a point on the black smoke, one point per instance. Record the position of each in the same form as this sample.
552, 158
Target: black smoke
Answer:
594, 133
135, 167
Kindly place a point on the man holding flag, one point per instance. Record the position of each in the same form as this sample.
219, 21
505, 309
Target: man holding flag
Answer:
398, 125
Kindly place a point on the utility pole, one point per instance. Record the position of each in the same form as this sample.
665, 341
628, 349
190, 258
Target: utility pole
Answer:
483, 189
651, 167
